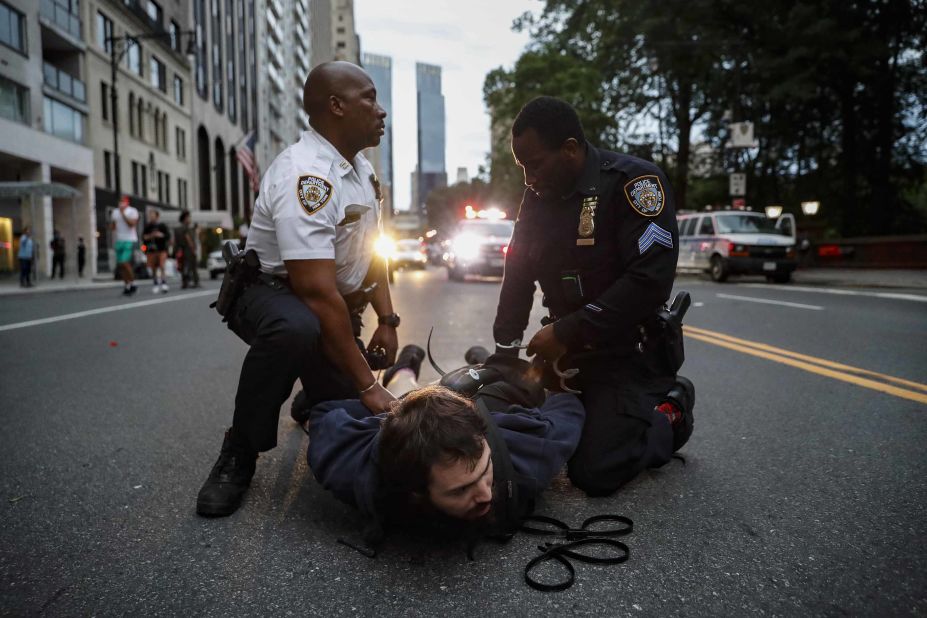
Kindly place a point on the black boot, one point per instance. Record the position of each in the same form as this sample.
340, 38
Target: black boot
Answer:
682, 395
222, 492
410, 357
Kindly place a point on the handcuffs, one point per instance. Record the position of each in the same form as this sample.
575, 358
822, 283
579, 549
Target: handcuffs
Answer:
563, 375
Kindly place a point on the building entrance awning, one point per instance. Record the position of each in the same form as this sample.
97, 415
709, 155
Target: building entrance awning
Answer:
37, 189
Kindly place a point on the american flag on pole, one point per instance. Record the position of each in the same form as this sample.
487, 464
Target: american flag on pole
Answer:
245, 155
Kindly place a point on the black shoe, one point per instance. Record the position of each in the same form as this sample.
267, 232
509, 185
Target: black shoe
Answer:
476, 355
300, 408
222, 492
682, 396
410, 357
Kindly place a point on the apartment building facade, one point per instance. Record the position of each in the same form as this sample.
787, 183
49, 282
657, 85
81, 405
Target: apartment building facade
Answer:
46, 165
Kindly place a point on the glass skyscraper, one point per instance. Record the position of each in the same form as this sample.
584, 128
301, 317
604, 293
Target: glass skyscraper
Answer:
380, 69
431, 134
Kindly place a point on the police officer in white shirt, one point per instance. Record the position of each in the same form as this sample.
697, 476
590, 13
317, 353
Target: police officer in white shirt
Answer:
313, 227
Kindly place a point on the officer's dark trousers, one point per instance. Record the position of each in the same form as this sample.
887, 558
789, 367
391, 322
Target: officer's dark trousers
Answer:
623, 434
285, 340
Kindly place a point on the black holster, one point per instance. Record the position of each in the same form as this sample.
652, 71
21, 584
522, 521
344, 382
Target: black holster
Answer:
669, 323
242, 269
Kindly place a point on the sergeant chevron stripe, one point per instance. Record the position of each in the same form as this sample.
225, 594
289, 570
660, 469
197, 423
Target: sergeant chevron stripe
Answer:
654, 234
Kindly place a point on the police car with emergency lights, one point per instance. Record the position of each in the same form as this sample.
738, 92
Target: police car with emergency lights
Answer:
737, 242
478, 248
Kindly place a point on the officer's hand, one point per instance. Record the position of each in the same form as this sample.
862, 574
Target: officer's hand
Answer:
385, 337
377, 399
546, 345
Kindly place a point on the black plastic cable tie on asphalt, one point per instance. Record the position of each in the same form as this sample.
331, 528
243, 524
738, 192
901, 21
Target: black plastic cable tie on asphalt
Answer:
560, 552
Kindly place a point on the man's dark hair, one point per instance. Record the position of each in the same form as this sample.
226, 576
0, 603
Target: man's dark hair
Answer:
184, 215
554, 120
428, 426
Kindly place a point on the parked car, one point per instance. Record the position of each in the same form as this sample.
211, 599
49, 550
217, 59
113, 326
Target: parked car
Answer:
737, 242
409, 253
478, 248
215, 264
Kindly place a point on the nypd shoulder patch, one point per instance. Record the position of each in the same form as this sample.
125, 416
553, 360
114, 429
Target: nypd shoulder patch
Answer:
313, 193
645, 194
654, 234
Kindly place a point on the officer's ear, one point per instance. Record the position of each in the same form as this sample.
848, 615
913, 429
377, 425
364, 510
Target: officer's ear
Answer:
570, 148
335, 105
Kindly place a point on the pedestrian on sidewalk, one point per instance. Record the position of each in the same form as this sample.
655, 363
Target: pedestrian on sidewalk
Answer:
185, 246
58, 254
156, 236
125, 223
25, 255
81, 256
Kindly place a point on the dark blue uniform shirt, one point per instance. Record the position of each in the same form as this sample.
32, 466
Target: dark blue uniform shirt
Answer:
344, 446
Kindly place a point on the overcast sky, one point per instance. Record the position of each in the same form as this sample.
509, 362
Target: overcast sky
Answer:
467, 38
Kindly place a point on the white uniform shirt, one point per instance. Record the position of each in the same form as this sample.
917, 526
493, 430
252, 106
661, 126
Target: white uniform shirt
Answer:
315, 205
123, 230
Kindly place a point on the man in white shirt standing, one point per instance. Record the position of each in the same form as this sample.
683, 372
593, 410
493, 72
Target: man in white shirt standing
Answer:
313, 227
124, 222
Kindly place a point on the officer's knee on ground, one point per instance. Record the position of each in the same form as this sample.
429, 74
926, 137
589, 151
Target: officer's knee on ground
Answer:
596, 480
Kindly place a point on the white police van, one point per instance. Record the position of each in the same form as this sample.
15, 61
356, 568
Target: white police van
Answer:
737, 242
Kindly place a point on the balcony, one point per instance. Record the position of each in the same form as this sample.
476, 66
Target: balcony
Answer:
61, 16
64, 83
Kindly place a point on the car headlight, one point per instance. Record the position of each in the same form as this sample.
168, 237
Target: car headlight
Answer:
385, 247
466, 246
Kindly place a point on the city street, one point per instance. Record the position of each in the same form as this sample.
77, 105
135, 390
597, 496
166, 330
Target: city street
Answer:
802, 491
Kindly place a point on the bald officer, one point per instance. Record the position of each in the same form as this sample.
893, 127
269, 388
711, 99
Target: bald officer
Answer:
313, 228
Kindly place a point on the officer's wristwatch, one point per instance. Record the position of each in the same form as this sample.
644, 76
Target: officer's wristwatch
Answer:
389, 320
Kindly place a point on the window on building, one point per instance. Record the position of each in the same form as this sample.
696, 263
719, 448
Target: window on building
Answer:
104, 100
158, 74
199, 17
217, 54
140, 119
63, 121
157, 128
12, 28
178, 89
341, 45
107, 169
242, 63
230, 60
181, 192
134, 57
174, 32
14, 101
154, 12
340, 30
104, 31
136, 187
167, 188
132, 114
181, 136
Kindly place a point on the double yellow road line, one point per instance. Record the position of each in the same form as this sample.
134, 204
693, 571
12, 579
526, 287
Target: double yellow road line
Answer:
906, 389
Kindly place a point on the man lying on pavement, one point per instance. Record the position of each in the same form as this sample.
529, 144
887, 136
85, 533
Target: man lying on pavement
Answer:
438, 456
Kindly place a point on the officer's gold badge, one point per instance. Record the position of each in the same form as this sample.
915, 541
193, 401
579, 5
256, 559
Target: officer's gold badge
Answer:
587, 221
313, 193
645, 194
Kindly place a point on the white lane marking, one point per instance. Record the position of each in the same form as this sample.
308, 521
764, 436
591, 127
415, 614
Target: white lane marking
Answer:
837, 291
82, 314
771, 302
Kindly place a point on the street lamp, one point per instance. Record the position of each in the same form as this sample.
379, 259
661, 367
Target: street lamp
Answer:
810, 208
118, 46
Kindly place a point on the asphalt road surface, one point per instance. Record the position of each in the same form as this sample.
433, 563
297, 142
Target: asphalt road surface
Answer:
802, 493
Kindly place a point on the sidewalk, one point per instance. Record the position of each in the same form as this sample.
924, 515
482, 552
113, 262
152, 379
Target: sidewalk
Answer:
861, 278
10, 286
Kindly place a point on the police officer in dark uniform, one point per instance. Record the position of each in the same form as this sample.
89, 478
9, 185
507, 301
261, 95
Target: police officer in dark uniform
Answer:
597, 230
313, 231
